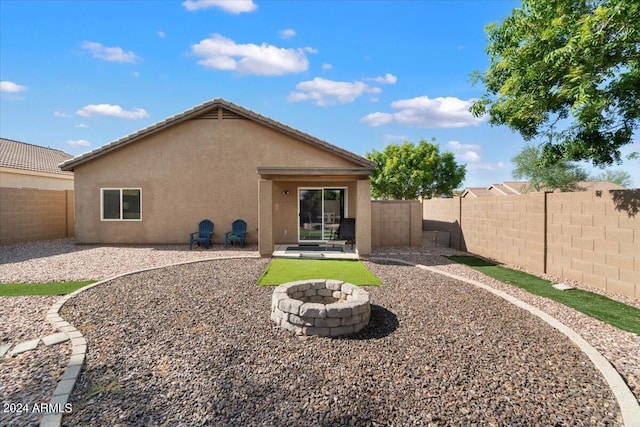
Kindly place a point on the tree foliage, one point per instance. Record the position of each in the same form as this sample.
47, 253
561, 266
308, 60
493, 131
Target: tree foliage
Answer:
408, 171
562, 175
567, 70
619, 177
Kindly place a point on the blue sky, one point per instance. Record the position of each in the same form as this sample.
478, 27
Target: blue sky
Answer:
359, 74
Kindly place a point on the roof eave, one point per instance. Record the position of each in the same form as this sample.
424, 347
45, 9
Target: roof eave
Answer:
203, 108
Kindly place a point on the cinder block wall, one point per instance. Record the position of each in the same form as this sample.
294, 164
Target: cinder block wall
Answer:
28, 214
396, 223
444, 215
507, 229
594, 238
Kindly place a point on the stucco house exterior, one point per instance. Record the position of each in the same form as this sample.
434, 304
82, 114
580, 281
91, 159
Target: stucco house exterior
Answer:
221, 162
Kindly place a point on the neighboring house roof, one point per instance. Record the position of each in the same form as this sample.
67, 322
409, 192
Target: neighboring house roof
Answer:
29, 157
477, 192
503, 190
209, 107
516, 188
599, 186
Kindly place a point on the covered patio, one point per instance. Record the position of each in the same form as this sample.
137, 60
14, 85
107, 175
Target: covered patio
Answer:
301, 207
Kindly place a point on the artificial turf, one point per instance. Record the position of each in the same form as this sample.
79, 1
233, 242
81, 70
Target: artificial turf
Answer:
281, 270
592, 304
40, 289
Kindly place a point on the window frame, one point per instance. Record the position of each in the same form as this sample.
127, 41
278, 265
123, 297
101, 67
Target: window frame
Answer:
121, 190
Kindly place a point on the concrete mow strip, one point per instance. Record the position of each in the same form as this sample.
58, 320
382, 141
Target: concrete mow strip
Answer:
54, 339
3, 349
25, 346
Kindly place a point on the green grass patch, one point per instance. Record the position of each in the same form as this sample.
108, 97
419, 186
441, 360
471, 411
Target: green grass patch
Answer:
281, 271
40, 289
595, 305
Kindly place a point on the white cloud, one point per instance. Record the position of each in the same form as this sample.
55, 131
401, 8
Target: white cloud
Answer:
112, 111
82, 126
326, 66
486, 166
136, 74
62, 115
388, 79
326, 92
222, 53
422, 111
110, 54
11, 87
232, 6
78, 143
288, 33
471, 155
161, 34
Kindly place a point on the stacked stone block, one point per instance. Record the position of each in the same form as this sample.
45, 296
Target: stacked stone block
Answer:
321, 307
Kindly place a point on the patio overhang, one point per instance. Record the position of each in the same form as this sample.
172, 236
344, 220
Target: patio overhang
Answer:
275, 205
311, 173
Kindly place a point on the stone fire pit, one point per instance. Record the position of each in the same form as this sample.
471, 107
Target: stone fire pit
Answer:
326, 308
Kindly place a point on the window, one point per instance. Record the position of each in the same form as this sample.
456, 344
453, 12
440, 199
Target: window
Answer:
121, 204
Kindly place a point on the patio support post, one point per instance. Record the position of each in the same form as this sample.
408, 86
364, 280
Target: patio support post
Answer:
363, 218
265, 218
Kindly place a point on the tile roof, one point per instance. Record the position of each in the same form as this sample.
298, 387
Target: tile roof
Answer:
20, 155
208, 107
517, 188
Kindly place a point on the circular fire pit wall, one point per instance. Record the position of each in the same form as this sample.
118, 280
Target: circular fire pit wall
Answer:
326, 308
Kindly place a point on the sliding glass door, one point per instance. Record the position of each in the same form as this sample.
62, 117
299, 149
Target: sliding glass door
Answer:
320, 210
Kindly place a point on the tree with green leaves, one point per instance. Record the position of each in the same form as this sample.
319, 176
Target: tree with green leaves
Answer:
567, 71
619, 177
562, 175
408, 171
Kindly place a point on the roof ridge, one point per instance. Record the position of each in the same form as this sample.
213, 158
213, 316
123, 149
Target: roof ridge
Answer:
200, 109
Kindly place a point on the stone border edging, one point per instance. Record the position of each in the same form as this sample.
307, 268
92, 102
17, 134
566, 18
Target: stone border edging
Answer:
66, 383
629, 406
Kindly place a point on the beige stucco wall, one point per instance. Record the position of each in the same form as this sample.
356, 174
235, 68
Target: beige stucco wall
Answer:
18, 178
197, 169
285, 225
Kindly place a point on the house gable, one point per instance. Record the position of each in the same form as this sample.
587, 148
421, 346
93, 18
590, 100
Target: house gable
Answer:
219, 110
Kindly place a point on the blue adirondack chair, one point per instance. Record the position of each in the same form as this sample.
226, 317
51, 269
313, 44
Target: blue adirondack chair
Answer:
204, 233
238, 230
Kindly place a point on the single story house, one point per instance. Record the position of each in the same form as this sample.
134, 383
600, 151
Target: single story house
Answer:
25, 165
220, 161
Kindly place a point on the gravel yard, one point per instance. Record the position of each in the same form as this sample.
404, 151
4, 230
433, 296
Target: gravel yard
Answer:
183, 345
194, 344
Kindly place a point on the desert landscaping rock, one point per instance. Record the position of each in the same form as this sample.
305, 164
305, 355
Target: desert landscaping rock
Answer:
436, 351
157, 356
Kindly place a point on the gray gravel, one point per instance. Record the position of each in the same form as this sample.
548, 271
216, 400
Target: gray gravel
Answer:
193, 344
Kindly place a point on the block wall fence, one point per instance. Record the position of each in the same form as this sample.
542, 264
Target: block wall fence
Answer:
396, 223
592, 237
29, 214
